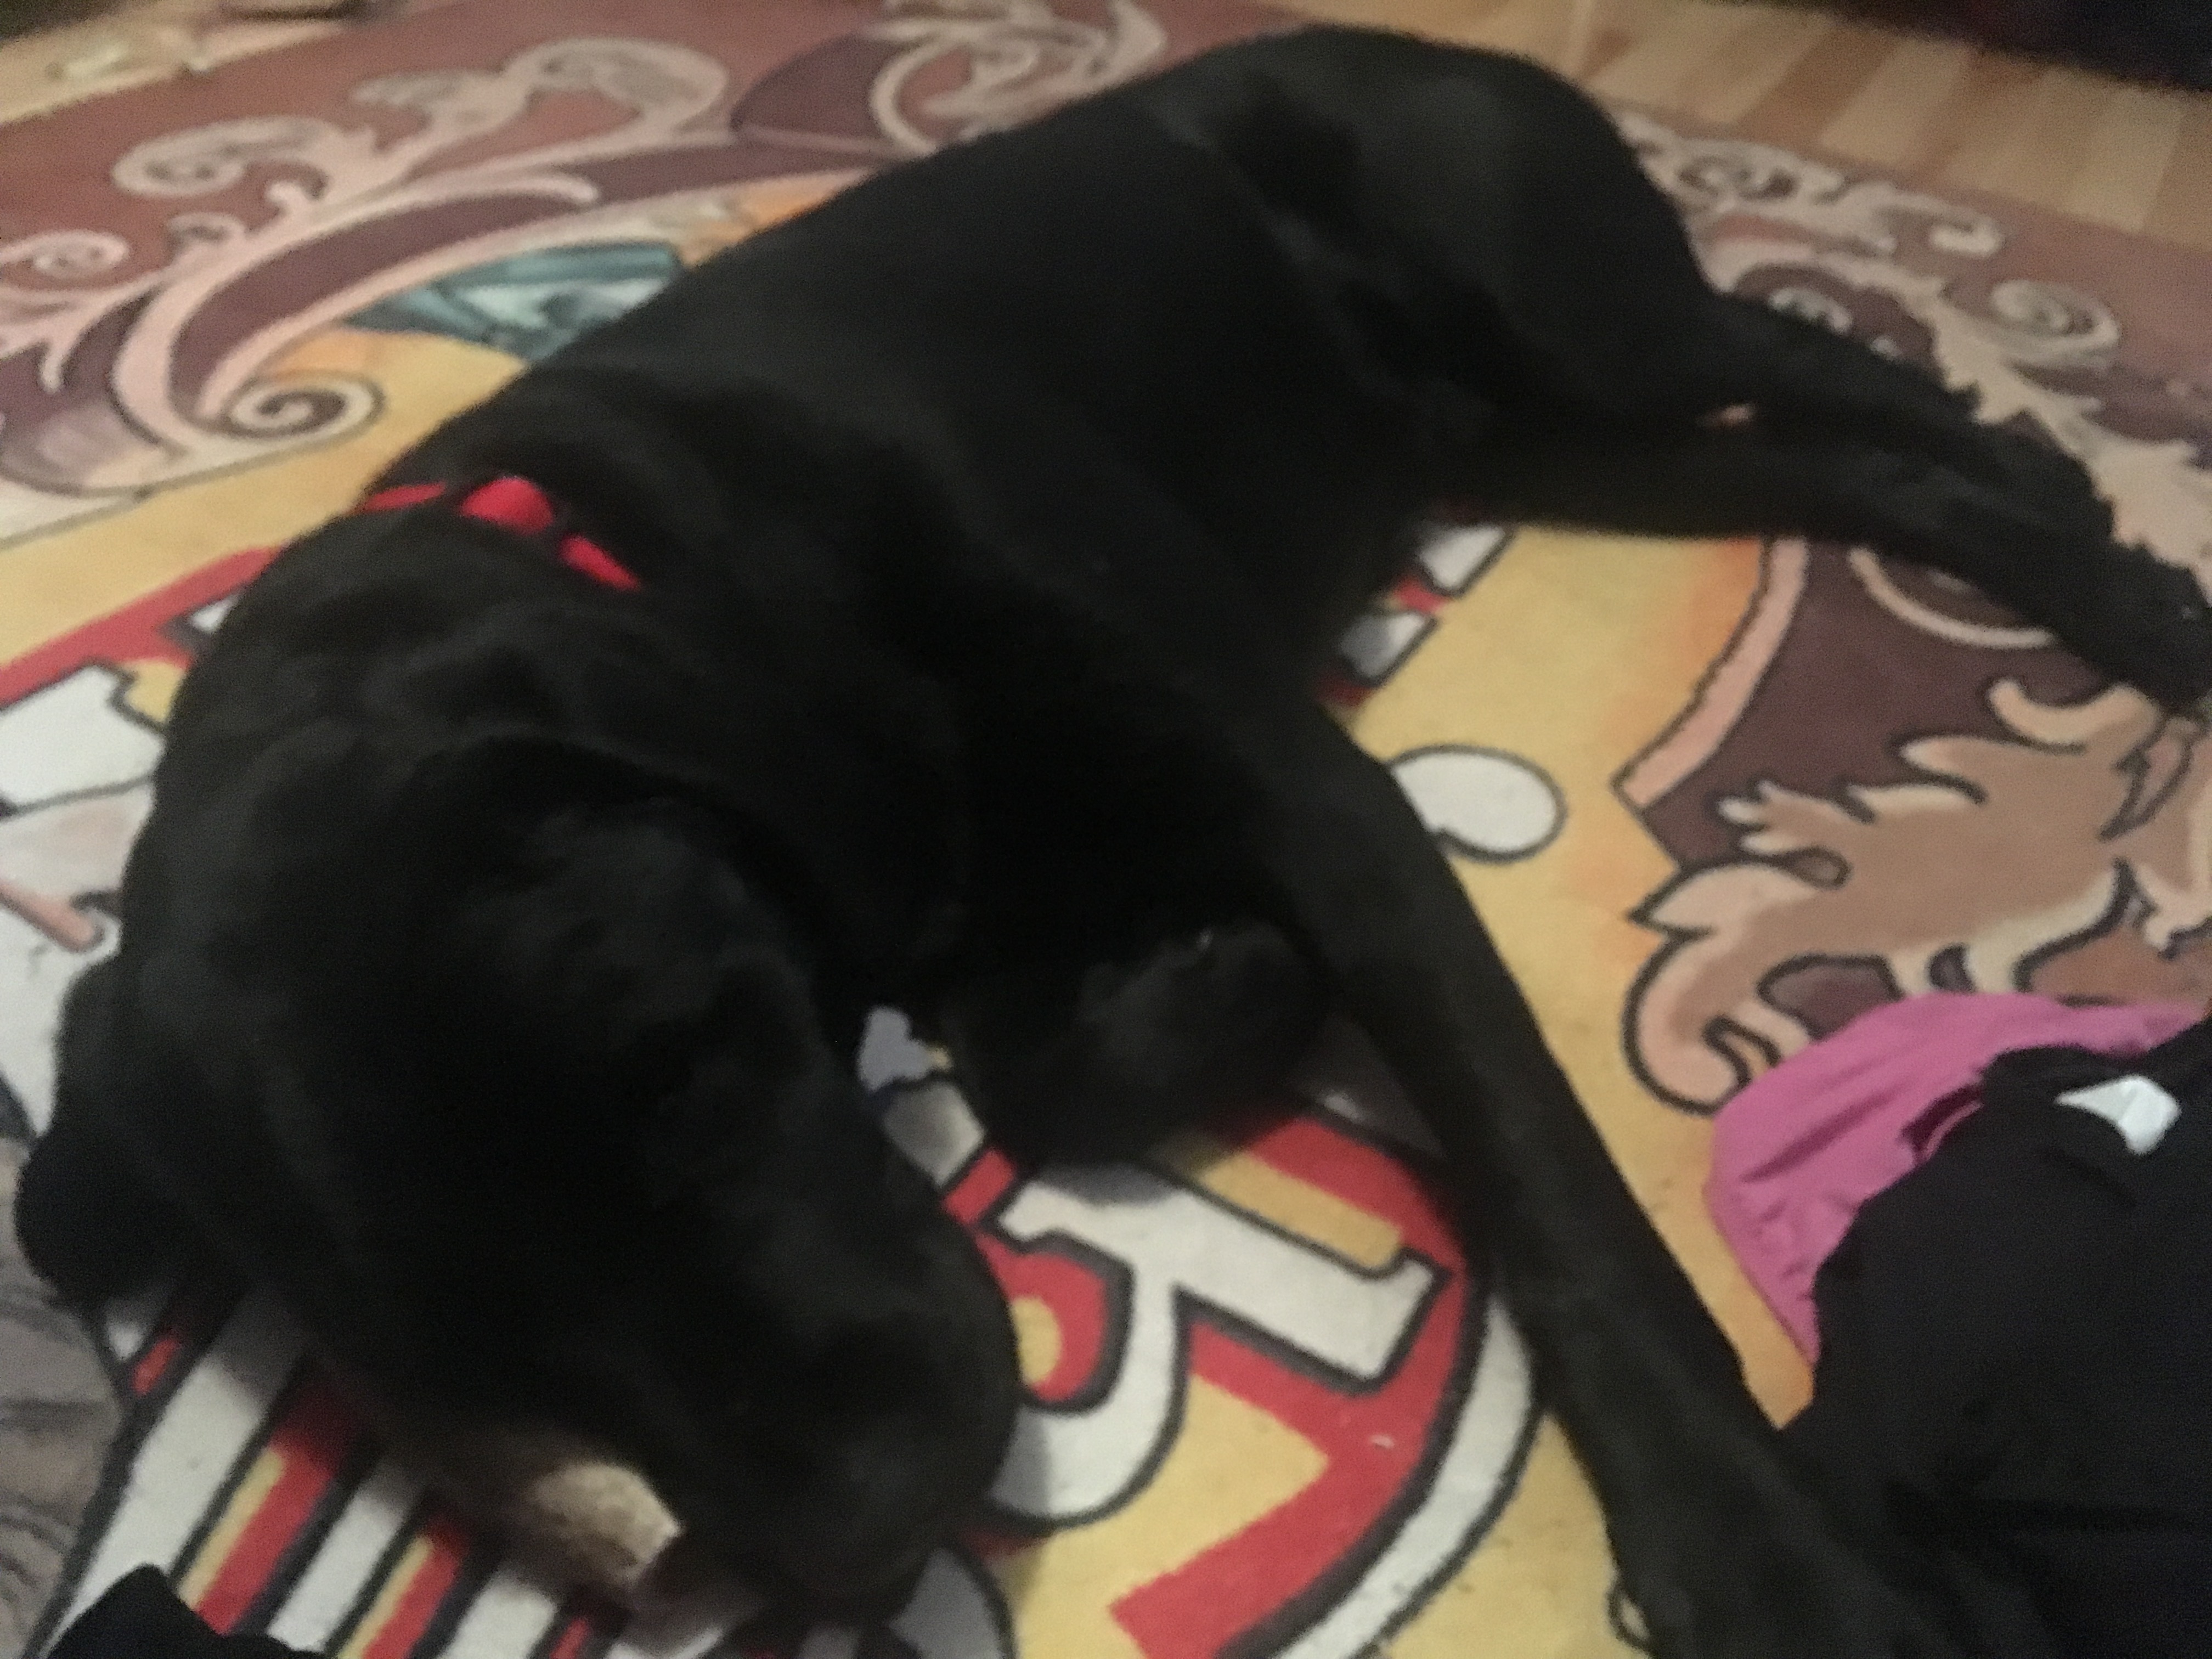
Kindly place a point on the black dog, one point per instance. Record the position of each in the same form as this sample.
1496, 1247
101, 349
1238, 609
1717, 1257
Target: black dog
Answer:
493, 962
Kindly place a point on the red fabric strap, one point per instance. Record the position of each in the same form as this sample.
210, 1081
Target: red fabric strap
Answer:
516, 504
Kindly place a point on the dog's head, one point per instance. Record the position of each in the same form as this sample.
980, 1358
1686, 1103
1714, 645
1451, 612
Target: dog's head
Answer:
801, 1349
576, 1147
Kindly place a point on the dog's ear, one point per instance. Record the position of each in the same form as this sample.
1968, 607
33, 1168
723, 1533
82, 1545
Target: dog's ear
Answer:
517, 771
474, 795
530, 810
595, 928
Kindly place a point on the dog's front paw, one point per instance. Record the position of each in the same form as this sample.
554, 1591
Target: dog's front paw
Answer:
1776, 1603
1755, 1569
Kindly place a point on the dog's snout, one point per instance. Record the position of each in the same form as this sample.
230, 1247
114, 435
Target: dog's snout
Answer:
872, 1594
859, 1572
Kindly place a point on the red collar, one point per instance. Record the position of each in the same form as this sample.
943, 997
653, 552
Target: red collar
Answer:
517, 504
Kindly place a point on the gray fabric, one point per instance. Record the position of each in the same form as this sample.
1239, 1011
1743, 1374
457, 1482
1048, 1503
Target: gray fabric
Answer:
58, 1416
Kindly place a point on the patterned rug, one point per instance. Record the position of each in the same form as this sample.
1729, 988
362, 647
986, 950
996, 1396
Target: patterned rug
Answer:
1714, 799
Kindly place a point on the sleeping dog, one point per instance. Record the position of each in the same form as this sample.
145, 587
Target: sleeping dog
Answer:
938, 586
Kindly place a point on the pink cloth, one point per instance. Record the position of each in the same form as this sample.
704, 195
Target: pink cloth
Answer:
1799, 1150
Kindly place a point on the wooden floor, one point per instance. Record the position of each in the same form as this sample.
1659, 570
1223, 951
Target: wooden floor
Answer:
2133, 157
2136, 158
133, 42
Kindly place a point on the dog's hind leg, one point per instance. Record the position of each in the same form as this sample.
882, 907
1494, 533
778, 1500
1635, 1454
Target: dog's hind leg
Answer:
1097, 1061
2128, 613
1805, 383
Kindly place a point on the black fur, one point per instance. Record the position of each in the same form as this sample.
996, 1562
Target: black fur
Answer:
494, 959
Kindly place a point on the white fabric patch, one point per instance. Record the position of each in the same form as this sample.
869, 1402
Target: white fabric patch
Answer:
1484, 803
1453, 558
1378, 641
72, 736
2141, 1110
